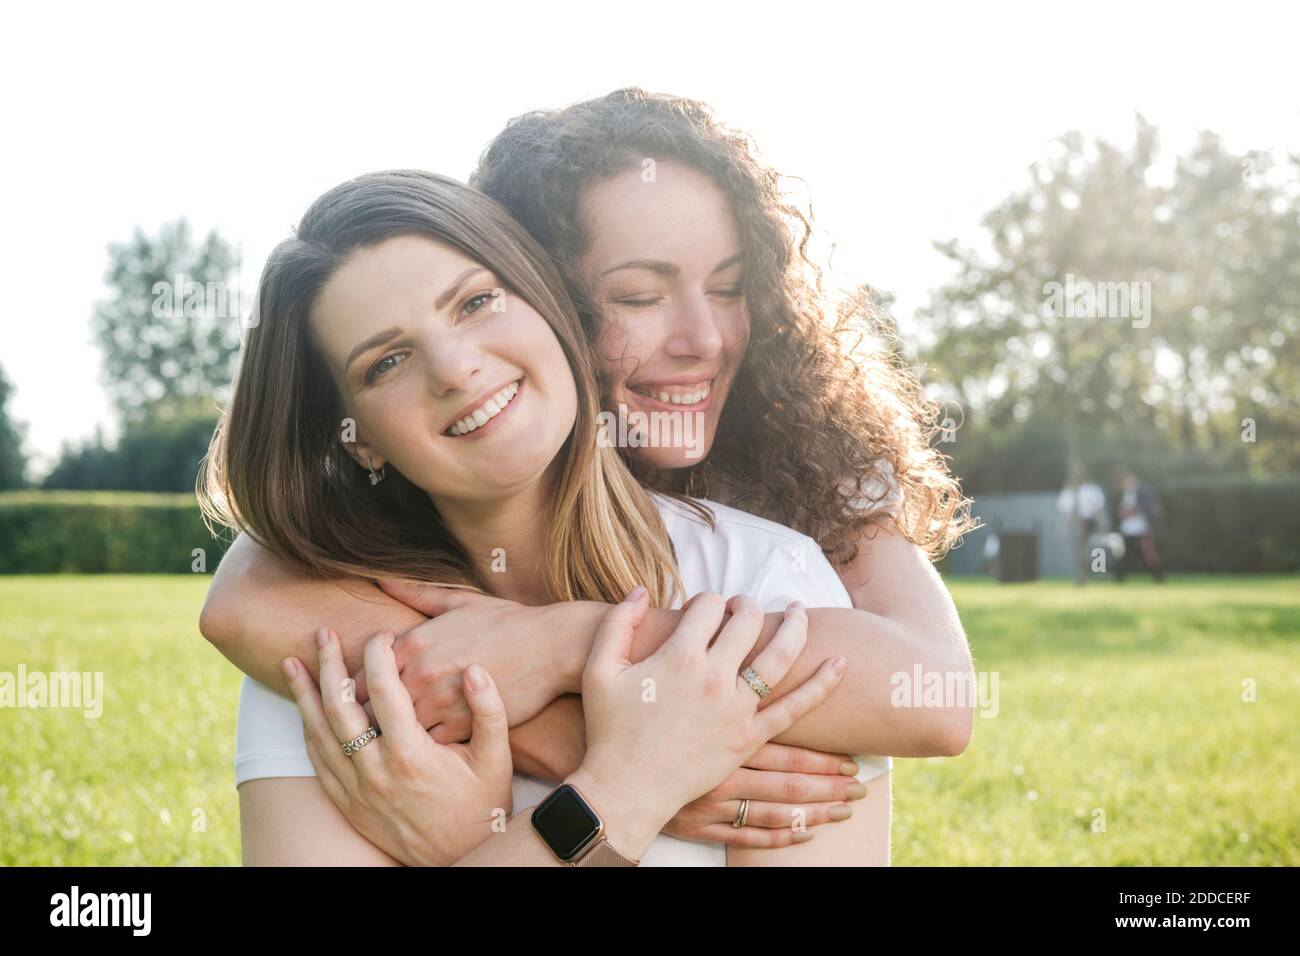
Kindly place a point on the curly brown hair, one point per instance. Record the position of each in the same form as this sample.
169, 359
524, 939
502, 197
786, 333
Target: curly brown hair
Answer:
824, 420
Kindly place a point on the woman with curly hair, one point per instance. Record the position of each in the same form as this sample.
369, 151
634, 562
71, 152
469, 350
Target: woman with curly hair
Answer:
694, 285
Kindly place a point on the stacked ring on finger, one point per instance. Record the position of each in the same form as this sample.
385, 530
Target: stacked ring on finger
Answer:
356, 743
753, 680
742, 816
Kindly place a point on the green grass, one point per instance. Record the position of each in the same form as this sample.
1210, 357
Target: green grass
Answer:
121, 789
1123, 700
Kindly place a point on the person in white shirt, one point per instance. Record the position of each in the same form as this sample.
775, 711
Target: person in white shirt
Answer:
492, 418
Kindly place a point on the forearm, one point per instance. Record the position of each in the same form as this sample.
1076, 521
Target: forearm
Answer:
631, 823
259, 612
551, 744
859, 716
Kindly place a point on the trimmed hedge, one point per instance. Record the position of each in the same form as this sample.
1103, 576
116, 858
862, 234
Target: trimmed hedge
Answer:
1233, 524
1211, 525
112, 532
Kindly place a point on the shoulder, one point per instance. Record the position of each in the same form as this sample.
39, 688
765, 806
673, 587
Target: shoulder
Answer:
745, 554
730, 525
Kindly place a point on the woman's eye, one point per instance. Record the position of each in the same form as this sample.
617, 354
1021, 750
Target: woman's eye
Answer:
733, 292
641, 302
385, 364
476, 302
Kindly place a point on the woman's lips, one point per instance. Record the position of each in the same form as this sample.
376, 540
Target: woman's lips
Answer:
657, 404
494, 423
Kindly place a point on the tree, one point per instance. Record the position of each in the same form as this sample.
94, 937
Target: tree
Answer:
13, 463
1112, 304
159, 450
170, 327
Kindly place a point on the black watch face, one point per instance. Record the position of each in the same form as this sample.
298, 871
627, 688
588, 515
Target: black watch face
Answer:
565, 822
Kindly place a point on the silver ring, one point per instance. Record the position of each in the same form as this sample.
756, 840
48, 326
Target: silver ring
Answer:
356, 743
756, 682
742, 817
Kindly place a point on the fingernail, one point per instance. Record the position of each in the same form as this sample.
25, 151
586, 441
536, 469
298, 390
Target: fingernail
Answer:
839, 664
288, 667
802, 837
841, 812
849, 768
634, 595
322, 638
795, 606
477, 677
857, 791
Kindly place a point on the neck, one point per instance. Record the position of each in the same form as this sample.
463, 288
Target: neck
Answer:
505, 539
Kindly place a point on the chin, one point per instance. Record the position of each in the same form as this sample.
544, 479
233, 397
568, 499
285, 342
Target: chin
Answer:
669, 459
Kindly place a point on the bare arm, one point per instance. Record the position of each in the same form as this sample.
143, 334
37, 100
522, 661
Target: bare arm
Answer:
259, 611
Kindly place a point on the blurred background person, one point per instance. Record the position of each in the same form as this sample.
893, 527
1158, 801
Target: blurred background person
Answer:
1138, 510
1082, 504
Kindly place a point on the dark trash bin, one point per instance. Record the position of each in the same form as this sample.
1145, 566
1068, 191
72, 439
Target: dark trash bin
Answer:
1018, 557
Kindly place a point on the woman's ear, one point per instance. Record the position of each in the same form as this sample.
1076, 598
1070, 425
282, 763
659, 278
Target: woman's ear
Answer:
358, 450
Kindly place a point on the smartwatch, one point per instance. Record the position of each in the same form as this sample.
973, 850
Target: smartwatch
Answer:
573, 831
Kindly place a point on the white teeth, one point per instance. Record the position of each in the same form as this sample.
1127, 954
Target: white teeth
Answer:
485, 412
679, 398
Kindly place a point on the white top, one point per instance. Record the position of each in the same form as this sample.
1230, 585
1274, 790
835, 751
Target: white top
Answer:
1132, 521
743, 555
1088, 498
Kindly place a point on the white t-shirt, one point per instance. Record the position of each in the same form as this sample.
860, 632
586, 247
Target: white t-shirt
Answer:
744, 554
1088, 498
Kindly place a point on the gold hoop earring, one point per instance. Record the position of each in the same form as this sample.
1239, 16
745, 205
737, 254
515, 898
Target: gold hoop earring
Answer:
376, 477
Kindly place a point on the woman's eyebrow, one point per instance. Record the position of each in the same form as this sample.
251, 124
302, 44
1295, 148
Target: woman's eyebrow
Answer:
379, 338
727, 263
450, 292
651, 265
668, 269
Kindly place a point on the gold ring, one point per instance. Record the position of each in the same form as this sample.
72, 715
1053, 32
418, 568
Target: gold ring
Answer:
356, 743
753, 680
742, 817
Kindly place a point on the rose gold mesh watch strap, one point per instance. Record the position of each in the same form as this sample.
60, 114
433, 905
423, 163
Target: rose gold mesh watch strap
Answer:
602, 854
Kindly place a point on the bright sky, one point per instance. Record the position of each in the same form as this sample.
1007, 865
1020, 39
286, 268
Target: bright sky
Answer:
907, 124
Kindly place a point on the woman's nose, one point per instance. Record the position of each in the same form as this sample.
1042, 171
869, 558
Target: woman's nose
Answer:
696, 330
452, 364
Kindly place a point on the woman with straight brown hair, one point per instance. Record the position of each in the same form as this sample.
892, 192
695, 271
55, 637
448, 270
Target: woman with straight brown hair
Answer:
416, 399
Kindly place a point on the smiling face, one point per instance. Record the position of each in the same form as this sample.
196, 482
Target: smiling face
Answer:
663, 266
460, 385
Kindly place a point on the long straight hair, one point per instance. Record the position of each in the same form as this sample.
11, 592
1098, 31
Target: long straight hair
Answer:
277, 469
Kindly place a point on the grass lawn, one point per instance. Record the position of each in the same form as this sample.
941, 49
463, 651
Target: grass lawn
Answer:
1121, 734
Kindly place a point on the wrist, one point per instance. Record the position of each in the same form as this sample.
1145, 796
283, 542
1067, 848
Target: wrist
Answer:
631, 814
570, 629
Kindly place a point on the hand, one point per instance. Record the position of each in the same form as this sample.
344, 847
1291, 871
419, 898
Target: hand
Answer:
662, 732
422, 802
467, 626
779, 781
